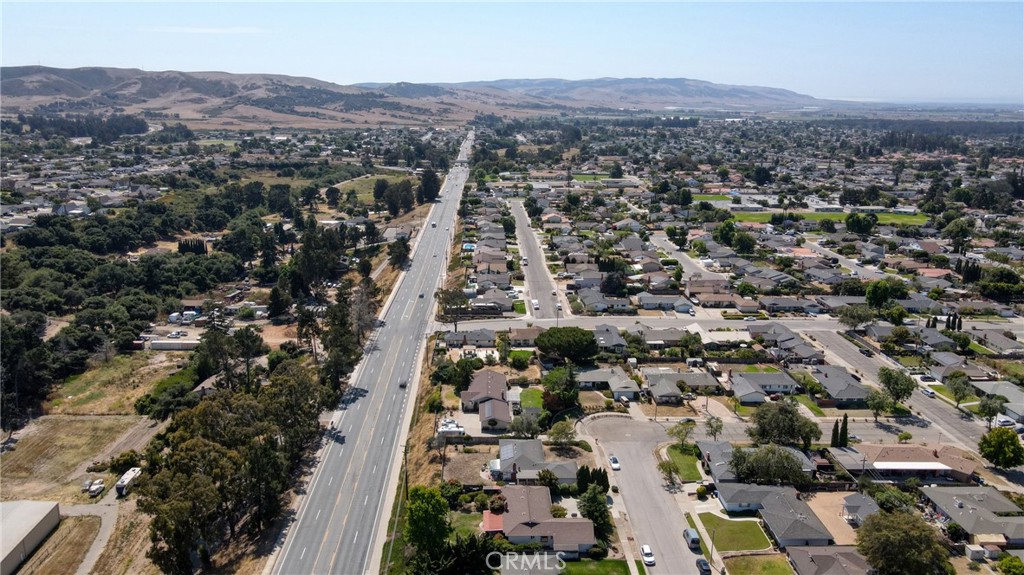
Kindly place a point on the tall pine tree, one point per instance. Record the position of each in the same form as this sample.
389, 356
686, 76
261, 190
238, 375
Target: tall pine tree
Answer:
844, 433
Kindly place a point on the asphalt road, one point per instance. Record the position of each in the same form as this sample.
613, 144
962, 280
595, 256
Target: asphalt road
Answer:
539, 284
337, 520
862, 272
690, 267
653, 513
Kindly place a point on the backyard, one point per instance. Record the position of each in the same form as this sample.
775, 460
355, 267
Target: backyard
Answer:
731, 535
532, 397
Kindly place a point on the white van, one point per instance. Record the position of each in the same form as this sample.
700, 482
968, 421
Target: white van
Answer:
536, 304
691, 537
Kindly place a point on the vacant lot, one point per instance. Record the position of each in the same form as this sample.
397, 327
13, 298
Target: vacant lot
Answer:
50, 457
663, 410
363, 186
65, 548
466, 467
759, 565
126, 550
733, 535
112, 387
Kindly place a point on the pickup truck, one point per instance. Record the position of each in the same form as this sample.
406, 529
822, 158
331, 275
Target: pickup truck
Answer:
96, 488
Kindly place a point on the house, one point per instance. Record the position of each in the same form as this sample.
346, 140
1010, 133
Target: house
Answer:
476, 337
609, 340
831, 560
698, 381
841, 390
664, 390
768, 382
1014, 406
647, 300
946, 363
486, 386
857, 507
524, 336
715, 457
495, 415
611, 378
520, 460
747, 392
988, 516
787, 518
900, 462
789, 304
998, 342
493, 299
529, 520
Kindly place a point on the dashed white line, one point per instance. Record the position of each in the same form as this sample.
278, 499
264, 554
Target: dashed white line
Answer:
329, 481
303, 554
317, 515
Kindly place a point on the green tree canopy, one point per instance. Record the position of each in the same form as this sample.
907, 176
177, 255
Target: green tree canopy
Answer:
897, 384
568, 343
782, 423
768, 464
901, 544
1002, 448
427, 525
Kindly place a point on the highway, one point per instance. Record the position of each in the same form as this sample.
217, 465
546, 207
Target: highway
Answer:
538, 279
337, 521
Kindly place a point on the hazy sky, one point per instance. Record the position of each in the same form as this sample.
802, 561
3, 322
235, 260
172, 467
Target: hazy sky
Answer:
905, 51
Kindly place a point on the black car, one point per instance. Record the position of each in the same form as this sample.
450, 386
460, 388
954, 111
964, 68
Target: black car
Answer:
703, 566
866, 352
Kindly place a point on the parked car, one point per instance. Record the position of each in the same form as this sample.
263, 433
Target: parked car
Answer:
750, 318
703, 566
693, 312
927, 378
648, 554
928, 392
866, 352
689, 396
614, 461
96, 488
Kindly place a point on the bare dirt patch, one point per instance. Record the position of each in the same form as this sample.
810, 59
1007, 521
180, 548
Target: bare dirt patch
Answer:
592, 399
466, 467
828, 506
65, 548
52, 453
681, 410
275, 335
126, 550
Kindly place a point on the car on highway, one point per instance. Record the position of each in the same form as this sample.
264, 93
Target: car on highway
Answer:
647, 554
421, 296
927, 391
703, 566
403, 384
614, 461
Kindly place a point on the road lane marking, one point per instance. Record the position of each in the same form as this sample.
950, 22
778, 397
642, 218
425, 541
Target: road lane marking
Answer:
329, 481
317, 515
303, 554
366, 500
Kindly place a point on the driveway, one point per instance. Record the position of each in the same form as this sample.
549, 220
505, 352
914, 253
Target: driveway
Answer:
651, 508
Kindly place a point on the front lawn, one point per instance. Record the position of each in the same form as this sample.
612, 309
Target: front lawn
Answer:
687, 464
759, 565
944, 392
591, 567
909, 360
979, 349
532, 398
732, 535
519, 306
760, 369
810, 404
466, 524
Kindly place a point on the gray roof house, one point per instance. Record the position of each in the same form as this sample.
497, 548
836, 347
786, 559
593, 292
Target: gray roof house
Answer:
982, 512
831, 560
841, 389
522, 459
477, 337
787, 517
529, 520
857, 507
715, 456
768, 382
608, 339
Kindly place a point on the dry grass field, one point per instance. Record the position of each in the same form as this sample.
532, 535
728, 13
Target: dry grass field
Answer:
112, 387
126, 550
65, 548
52, 453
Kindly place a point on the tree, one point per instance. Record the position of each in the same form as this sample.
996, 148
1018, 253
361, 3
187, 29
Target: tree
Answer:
504, 346
891, 499
427, 525
562, 433
780, 422
280, 302
744, 243
380, 187
561, 390
904, 436
878, 294
959, 387
568, 343
834, 441
713, 425
333, 195
1010, 565
616, 171
593, 505
681, 432
861, 224
900, 543
669, 470
878, 402
398, 252
958, 232
451, 303
524, 426
897, 384
430, 184
768, 464
1002, 448
844, 432
855, 316
990, 406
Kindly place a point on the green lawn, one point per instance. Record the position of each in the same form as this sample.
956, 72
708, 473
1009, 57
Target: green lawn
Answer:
944, 392
734, 535
759, 565
711, 198
466, 524
802, 398
764, 217
591, 567
687, 464
760, 369
589, 177
532, 398
910, 360
979, 349
519, 306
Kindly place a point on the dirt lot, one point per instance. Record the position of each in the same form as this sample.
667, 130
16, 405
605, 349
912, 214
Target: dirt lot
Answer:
52, 453
466, 466
682, 410
827, 506
275, 335
65, 548
592, 398
112, 387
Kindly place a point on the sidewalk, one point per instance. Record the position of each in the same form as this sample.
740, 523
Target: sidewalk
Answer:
686, 499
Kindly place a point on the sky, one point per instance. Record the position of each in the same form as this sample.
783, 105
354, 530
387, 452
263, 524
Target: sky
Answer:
873, 51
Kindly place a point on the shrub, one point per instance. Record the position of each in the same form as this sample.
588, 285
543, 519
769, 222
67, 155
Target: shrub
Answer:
557, 511
482, 501
434, 403
574, 490
974, 566
702, 491
125, 461
609, 405
563, 490
497, 504
598, 552
615, 488
519, 363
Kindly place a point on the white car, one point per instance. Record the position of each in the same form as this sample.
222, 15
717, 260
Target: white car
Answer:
928, 391
614, 461
1003, 421
648, 554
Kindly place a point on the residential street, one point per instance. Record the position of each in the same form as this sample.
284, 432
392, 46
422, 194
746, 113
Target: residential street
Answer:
690, 267
539, 284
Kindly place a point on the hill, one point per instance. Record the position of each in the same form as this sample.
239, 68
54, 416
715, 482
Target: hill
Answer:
208, 100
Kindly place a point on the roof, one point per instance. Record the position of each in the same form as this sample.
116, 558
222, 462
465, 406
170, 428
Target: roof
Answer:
831, 560
19, 518
860, 505
790, 517
839, 383
977, 509
529, 515
486, 384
